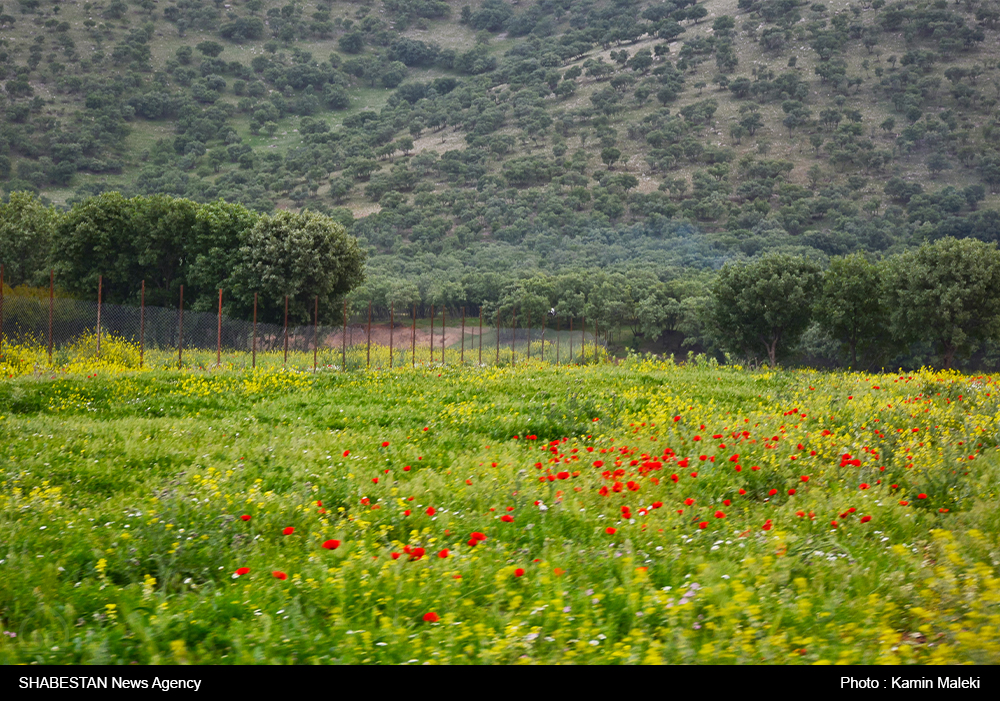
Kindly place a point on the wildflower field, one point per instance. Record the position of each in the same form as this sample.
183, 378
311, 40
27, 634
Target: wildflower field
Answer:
644, 512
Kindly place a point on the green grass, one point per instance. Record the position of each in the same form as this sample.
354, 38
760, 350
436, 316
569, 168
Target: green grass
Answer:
121, 496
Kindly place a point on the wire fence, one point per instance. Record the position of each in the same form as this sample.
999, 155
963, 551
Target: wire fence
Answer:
40, 331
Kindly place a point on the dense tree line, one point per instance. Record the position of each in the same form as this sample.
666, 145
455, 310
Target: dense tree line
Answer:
860, 310
165, 243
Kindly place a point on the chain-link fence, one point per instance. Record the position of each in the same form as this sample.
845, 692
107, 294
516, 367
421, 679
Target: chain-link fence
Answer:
44, 329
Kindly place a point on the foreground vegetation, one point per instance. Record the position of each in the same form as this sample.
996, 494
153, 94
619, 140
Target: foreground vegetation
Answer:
638, 513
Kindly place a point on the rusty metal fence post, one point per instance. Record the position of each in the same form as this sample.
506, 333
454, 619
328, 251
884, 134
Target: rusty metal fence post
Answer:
286, 330
513, 334
218, 336
52, 295
100, 283
1, 311
180, 330
142, 325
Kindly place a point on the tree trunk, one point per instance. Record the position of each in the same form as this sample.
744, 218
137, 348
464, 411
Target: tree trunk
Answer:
949, 355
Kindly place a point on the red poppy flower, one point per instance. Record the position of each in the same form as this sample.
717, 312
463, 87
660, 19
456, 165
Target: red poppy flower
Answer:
394, 556
416, 553
385, 444
703, 524
288, 531
697, 438
772, 492
904, 503
443, 554
519, 572
833, 523
863, 485
689, 501
609, 530
245, 517
800, 514
562, 475
431, 617
767, 526
331, 544
677, 418
866, 519
430, 511
406, 513
280, 575
346, 453
657, 504
742, 491
791, 492
507, 518
719, 514
921, 496
406, 469
804, 478
726, 502
242, 571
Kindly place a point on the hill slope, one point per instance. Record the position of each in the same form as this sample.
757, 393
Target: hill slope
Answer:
523, 135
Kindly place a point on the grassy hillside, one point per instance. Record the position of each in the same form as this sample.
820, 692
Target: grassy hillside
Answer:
530, 135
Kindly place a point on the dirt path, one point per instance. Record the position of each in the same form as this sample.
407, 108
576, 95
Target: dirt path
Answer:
402, 336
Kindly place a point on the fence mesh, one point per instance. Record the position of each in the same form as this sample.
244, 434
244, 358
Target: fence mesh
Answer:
41, 332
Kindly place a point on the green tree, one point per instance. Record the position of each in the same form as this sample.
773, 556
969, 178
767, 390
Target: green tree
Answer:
610, 155
947, 292
764, 304
25, 237
850, 307
210, 48
127, 241
300, 255
352, 42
